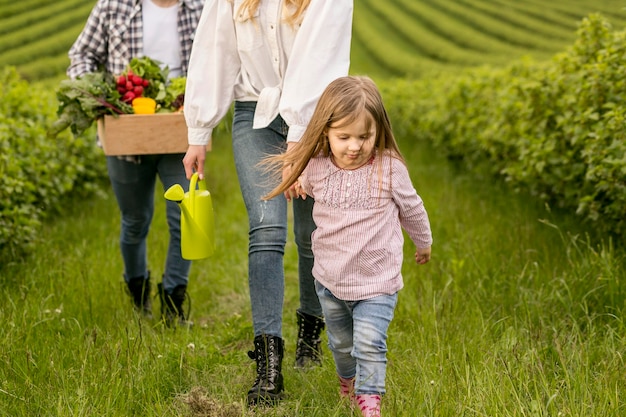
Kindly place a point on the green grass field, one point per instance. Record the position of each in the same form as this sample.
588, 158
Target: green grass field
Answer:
519, 313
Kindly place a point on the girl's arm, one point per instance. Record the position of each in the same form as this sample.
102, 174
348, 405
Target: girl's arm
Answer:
413, 215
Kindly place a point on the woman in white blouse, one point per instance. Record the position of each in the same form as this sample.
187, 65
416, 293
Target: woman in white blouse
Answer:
273, 59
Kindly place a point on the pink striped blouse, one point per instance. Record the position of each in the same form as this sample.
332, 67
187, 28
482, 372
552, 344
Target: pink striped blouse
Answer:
359, 216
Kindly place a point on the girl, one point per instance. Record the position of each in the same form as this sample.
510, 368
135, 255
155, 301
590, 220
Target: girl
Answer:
273, 59
349, 162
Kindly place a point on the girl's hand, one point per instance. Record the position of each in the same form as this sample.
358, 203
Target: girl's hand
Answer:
194, 161
422, 255
295, 190
298, 187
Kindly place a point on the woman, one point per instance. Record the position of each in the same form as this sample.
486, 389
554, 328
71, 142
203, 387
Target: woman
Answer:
273, 59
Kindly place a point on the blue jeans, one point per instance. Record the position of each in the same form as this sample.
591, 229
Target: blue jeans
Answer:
134, 187
357, 337
268, 224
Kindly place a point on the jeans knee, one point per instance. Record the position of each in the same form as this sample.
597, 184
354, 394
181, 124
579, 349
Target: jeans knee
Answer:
135, 229
268, 237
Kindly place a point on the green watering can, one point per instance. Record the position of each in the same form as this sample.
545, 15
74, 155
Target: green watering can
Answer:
197, 227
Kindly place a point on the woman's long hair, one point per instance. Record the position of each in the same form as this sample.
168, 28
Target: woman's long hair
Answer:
299, 6
345, 99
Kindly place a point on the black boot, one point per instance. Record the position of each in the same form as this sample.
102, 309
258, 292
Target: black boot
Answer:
308, 349
172, 311
139, 290
268, 386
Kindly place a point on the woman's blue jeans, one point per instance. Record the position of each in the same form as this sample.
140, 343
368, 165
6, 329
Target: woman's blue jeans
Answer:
268, 224
357, 337
134, 187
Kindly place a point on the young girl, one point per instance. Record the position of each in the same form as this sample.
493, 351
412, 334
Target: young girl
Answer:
349, 162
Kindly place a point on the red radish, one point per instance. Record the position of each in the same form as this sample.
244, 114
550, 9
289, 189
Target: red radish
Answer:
128, 97
121, 80
138, 90
146, 83
137, 80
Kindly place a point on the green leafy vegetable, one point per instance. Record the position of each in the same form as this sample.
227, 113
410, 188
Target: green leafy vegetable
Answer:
85, 99
151, 70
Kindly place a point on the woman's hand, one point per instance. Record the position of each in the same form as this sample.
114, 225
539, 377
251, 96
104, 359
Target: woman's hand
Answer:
194, 161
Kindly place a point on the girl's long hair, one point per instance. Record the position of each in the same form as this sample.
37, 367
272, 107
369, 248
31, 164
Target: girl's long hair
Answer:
345, 99
299, 6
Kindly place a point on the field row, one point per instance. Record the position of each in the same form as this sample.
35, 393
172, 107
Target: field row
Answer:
409, 37
391, 37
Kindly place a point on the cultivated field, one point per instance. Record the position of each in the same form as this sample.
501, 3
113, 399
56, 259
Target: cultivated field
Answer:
391, 37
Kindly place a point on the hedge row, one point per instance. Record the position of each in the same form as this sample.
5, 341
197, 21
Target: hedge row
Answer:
556, 130
38, 175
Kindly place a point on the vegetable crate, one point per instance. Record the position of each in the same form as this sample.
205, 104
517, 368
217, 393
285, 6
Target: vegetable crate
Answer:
141, 134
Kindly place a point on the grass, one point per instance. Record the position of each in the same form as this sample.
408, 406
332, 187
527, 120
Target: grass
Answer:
519, 313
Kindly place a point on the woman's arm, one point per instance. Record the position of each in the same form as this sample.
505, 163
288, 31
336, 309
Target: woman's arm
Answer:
213, 69
320, 54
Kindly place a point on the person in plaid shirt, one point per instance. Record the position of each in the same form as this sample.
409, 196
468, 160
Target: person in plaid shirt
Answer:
117, 31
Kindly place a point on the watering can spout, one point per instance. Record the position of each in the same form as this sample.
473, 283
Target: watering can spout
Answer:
197, 238
175, 193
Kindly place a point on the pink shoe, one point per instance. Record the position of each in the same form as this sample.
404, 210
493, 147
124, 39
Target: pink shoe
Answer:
346, 387
368, 404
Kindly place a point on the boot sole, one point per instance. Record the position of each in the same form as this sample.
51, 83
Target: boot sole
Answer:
264, 398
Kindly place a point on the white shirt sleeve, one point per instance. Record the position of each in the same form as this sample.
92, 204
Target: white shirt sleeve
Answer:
320, 54
214, 66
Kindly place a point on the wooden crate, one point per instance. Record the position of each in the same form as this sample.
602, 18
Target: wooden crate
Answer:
141, 134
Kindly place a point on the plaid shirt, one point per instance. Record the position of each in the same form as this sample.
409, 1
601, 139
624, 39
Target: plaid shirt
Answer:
113, 35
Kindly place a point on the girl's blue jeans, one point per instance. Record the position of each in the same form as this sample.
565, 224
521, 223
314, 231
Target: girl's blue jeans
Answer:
134, 188
268, 224
357, 337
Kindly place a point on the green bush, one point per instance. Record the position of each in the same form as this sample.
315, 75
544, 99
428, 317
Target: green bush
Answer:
38, 175
555, 130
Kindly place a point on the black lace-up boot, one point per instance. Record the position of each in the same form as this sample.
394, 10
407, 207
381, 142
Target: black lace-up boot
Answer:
172, 310
139, 290
268, 386
308, 349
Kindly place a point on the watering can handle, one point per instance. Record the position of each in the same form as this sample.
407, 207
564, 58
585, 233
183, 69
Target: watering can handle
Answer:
192, 189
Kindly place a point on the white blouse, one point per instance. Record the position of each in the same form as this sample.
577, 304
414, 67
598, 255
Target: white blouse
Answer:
283, 68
